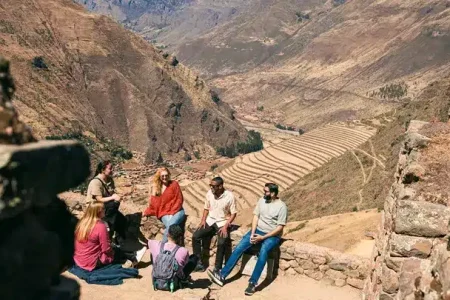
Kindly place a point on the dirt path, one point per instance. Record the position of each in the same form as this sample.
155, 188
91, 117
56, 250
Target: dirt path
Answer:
283, 288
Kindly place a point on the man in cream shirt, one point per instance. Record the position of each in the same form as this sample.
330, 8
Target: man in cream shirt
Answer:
219, 212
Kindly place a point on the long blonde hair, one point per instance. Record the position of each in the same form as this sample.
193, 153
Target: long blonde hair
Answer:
157, 182
88, 221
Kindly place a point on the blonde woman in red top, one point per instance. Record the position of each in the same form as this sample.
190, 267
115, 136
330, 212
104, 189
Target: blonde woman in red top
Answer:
166, 200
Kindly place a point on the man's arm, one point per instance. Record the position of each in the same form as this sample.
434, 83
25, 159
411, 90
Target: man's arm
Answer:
106, 199
277, 231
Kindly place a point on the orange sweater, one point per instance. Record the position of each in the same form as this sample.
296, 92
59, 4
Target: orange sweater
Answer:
169, 203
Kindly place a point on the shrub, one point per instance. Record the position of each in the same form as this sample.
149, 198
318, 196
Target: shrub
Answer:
260, 108
215, 97
301, 131
197, 154
39, 63
213, 167
159, 159
187, 156
302, 16
174, 62
253, 143
392, 91
338, 2
165, 55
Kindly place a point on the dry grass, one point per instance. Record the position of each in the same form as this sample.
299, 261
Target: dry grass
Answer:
334, 187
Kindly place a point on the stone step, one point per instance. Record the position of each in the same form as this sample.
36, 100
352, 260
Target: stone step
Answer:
290, 167
300, 155
331, 148
289, 158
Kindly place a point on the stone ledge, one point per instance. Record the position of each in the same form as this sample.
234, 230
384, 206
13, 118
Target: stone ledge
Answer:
34, 173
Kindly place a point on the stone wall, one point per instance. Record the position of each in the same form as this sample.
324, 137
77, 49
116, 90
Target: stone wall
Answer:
36, 228
410, 259
297, 258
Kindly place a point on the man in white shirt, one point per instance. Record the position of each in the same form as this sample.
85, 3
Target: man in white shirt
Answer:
219, 212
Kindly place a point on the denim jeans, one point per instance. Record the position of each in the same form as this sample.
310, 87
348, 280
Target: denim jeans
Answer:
170, 220
267, 245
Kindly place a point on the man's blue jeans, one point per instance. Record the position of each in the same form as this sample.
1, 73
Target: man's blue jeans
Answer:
170, 220
267, 245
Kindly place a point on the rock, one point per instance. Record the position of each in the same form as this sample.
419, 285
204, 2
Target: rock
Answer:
308, 265
406, 193
286, 256
319, 260
299, 270
407, 246
413, 173
328, 281
316, 275
357, 283
422, 219
39, 170
324, 268
415, 274
291, 272
394, 263
333, 274
416, 140
385, 296
339, 282
389, 280
338, 265
284, 265
352, 273
293, 264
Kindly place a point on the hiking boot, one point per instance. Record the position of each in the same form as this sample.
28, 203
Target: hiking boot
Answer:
186, 281
250, 290
216, 277
199, 268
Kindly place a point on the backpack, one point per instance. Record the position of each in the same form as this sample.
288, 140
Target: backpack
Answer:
164, 273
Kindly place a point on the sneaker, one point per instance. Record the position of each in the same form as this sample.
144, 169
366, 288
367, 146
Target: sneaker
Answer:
139, 255
128, 264
186, 281
199, 268
250, 290
216, 277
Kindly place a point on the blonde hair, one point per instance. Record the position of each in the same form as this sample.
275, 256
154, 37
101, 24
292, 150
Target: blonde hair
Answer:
157, 182
88, 221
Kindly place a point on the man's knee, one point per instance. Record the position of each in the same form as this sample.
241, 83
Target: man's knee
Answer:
223, 242
198, 235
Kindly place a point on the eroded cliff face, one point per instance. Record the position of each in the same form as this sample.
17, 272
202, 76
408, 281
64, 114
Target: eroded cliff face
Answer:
79, 72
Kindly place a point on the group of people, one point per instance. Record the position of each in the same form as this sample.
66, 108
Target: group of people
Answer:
102, 233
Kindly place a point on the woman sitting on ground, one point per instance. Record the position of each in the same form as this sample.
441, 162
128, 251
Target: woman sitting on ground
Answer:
101, 188
166, 200
93, 249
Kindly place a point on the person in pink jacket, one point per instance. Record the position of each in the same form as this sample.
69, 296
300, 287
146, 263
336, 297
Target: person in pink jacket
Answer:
92, 245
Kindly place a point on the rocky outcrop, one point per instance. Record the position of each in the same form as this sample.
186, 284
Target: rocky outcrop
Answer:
411, 255
36, 229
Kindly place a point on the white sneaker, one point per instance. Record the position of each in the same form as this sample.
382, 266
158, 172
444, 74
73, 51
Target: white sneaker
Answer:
140, 254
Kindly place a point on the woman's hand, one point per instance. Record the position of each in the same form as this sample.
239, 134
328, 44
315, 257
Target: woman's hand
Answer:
116, 197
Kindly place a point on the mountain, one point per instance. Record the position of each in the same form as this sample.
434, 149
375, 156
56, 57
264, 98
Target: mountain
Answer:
80, 72
311, 62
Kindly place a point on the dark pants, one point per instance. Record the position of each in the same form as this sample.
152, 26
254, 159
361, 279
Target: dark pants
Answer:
117, 222
190, 266
203, 236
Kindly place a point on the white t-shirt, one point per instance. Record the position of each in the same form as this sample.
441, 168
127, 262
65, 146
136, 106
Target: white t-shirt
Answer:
220, 209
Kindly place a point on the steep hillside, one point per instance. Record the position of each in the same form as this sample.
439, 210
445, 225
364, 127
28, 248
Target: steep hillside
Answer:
314, 61
168, 23
79, 72
361, 179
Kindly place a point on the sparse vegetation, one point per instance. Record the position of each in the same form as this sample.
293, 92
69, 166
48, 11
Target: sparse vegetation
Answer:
260, 108
290, 128
338, 2
118, 153
301, 16
197, 154
174, 62
2, 42
39, 63
391, 91
187, 156
253, 143
213, 167
215, 97
6, 27
300, 226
